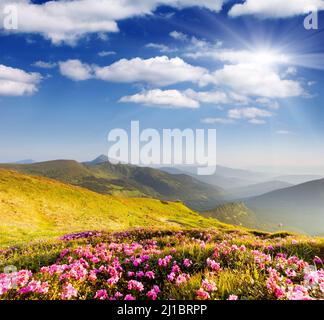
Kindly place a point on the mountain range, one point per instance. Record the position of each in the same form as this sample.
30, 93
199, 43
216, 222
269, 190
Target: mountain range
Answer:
231, 179
104, 177
300, 207
34, 207
257, 189
249, 199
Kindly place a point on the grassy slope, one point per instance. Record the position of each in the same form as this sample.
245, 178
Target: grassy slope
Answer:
127, 180
72, 172
239, 214
34, 207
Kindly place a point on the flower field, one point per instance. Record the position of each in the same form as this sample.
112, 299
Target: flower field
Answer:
144, 264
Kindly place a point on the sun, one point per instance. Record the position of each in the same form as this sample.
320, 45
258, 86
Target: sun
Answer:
269, 57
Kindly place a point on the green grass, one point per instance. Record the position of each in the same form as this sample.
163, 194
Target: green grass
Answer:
34, 208
126, 181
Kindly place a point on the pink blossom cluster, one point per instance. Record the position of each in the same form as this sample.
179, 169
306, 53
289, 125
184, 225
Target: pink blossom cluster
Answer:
155, 265
9, 281
295, 279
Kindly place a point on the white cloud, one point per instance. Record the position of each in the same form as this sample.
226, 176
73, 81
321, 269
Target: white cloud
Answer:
160, 47
216, 97
251, 113
160, 71
196, 48
271, 104
276, 8
106, 53
250, 73
67, 21
290, 71
17, 82
243, 80
254, 80
165, 99
75, 70
187, 98
218, 120
178, 35
44, 65
257, 121
284, 132
262, 57
213, 5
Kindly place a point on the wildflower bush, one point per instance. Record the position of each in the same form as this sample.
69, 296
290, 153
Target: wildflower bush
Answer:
146, 264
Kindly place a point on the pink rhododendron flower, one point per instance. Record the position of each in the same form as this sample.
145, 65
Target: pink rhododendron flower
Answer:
318, 260
202, 294
213, 264
298, 293
150, 275
182, 278
135, 285
175, 269
68, 291
291, 273
38, 287
101, 295
113, 280
165, 261
140, 274
13, 280
209, 285
125, 268
153, 293
118, 295
187, 263
171, 276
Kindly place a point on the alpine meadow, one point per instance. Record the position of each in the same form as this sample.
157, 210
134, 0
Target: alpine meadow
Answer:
162, 150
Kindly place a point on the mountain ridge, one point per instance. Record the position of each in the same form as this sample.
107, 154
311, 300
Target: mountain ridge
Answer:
300, 206
33, 207
127, 180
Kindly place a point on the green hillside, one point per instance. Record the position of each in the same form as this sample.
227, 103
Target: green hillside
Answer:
239, 214
35, 207
73, 172
127, 180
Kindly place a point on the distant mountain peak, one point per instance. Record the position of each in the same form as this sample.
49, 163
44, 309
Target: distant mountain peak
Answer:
101, 159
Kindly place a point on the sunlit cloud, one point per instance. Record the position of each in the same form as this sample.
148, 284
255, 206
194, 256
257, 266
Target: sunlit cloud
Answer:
172, 99
66, 22
17, 82
276, 8
44, 65
106, 53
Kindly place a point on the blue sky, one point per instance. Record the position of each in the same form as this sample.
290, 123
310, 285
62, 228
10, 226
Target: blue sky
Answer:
253, 72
